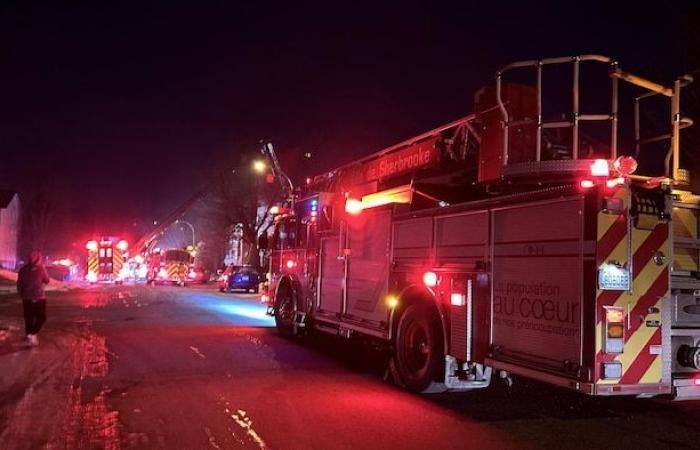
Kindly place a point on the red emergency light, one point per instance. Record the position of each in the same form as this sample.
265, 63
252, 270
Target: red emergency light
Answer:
353, 206
290, 264
122, 245
92, 246
625, 165
430, 279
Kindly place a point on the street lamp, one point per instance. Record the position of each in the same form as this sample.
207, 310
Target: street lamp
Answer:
191, 228
259, 166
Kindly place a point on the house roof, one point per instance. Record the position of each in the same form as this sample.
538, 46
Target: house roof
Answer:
6, 197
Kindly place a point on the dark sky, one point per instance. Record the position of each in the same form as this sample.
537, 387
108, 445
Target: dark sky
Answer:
131, 102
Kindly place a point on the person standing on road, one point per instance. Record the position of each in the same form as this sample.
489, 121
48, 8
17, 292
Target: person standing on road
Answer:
30, 284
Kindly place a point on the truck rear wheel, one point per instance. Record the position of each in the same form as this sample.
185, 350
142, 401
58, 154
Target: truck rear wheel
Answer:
419, 353
284, 311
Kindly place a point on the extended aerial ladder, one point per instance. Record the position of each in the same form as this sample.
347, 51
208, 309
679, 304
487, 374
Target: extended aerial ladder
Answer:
146, 241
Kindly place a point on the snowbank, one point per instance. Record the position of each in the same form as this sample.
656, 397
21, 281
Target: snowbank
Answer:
8, 279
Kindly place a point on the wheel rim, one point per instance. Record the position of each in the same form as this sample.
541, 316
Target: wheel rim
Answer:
285, 310
417, 347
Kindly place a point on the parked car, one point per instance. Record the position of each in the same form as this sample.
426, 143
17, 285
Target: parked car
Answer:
239, 278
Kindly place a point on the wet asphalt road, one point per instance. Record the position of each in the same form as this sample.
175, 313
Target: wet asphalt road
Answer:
165, 367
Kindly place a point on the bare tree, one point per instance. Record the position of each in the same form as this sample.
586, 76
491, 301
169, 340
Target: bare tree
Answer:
44, 203
239, 198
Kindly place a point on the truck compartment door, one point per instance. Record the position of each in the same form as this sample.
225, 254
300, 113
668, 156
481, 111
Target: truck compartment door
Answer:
332, 277
368, 264
537, 285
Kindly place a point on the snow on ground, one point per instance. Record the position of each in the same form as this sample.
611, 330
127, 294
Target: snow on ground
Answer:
8, 280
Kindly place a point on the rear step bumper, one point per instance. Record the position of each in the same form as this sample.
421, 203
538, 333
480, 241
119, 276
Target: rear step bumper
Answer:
686, 389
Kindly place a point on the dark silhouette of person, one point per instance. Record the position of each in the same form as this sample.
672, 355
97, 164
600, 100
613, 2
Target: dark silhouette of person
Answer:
30, 284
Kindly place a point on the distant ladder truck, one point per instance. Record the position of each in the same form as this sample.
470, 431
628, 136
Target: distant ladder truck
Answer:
547, 236
170, 266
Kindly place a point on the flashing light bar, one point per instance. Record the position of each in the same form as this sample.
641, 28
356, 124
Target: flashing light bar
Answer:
600, 168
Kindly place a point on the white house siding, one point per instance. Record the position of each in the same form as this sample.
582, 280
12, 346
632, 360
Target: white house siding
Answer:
9, 232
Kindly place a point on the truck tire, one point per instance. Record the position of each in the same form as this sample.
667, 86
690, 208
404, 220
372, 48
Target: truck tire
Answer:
419, 353
284, 311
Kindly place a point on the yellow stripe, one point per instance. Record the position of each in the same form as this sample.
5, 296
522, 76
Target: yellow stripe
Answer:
605, 221
685, 259
653, 374
685, 222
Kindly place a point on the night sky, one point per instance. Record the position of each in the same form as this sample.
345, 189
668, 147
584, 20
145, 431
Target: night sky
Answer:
131, 104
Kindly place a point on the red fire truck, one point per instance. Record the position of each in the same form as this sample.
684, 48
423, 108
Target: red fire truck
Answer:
171, 266
106, 260
520, 240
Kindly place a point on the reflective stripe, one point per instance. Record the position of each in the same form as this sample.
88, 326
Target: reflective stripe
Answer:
650, 286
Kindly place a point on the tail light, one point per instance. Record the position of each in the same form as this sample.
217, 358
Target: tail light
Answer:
612, 370
586, 183
614, 330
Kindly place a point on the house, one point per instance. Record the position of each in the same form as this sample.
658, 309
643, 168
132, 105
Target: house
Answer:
9, 228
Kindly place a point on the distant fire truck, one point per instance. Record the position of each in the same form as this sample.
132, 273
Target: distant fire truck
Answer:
171, 266
106, 260
517, 240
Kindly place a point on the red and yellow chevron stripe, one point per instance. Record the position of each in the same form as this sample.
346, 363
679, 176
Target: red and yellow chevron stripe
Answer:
176, 270
685, 225
92, 263
117, 260
618, 238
